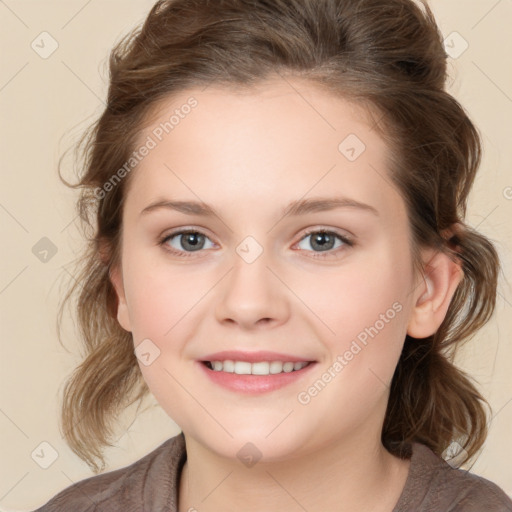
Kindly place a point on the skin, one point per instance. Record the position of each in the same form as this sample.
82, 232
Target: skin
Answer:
248, 154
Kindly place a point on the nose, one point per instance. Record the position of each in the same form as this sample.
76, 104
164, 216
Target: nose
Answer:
252, 295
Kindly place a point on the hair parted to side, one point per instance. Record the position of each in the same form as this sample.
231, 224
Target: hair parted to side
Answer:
387, 55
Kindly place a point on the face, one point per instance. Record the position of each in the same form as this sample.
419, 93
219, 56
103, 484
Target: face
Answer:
325, 282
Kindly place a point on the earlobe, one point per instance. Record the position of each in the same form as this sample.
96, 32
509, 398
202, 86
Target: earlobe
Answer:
433, 296
123, 316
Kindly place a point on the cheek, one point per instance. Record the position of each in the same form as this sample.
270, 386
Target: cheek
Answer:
369, 315
367, 292
160, 295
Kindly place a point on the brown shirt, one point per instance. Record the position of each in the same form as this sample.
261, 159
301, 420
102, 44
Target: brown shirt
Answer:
151, 484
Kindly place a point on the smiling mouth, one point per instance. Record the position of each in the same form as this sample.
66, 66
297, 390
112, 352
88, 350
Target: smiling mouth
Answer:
260, 368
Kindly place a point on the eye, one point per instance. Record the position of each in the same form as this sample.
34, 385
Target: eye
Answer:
323, 241
182, 242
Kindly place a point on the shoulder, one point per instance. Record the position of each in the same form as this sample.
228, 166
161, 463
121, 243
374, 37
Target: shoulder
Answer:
147, 481
435, 485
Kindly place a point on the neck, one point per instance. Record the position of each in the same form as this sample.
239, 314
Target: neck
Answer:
343, 476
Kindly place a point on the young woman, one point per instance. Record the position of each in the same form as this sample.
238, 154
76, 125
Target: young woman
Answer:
278, 191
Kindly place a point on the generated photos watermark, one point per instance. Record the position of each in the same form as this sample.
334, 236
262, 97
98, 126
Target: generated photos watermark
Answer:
151, 142
356, 346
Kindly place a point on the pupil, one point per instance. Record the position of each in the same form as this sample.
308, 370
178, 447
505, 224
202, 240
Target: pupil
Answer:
320, 239
191, 239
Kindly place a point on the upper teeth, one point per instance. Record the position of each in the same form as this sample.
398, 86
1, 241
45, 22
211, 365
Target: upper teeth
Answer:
259, 368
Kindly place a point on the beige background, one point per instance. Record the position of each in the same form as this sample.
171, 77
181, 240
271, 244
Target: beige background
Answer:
46, 103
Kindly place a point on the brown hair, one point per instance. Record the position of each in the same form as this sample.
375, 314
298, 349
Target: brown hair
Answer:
385, 54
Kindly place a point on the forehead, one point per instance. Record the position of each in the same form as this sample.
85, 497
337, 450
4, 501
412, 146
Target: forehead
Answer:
266, 144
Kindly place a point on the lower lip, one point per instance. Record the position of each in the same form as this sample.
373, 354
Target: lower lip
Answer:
254, 384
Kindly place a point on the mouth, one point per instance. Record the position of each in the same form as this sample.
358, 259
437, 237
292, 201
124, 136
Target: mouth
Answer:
261, 368
257, 377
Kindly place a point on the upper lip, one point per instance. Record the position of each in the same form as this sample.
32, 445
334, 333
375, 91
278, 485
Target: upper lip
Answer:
253, 357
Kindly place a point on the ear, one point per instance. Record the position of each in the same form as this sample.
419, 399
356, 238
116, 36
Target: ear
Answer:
433, 296
123, 316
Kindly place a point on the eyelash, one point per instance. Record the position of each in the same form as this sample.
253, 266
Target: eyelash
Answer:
324, 254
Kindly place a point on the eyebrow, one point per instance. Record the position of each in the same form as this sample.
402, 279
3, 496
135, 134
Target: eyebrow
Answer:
295, 208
